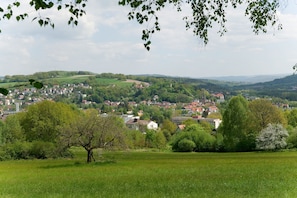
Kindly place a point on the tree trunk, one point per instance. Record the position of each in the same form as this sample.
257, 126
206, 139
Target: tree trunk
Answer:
90, 155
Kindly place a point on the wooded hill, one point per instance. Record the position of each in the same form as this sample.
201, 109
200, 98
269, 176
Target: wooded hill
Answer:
285, 88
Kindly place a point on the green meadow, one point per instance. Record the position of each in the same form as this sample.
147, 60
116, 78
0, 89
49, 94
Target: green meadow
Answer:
154, 174
71, 80
82, 78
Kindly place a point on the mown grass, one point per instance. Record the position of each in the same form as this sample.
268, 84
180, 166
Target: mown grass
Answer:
149, 174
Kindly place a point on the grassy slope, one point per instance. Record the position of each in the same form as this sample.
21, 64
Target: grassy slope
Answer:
145, 174
70, 80
81, 78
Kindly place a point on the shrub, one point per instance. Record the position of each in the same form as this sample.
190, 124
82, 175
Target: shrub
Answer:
292, 139
219, 142
4, 155
166, 134
246, 143
178, 137
150, 138
43, 150
186, 145
203, 140
29, 150
17, 150
135, 139
160, 140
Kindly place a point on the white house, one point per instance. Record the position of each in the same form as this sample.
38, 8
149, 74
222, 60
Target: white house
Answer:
152, 125
141, 125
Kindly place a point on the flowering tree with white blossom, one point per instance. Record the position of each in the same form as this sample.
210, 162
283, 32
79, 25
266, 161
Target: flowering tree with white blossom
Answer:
272, 138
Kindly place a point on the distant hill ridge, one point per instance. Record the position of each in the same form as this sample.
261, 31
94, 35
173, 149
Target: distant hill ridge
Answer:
237, 79
249, 79
286, 83
280, 86
280, 81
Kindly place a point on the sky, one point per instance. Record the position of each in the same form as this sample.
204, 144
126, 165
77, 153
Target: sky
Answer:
106, 41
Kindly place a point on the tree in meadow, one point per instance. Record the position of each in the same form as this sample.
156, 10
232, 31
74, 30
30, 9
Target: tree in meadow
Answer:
194, 133
234, 124
263, 112
168, 128
42, 121
12, 130
272, 138
160, 140
292, 118
92, 131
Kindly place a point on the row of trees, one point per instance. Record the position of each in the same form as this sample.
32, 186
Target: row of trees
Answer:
246, 123
48, 129
246, 126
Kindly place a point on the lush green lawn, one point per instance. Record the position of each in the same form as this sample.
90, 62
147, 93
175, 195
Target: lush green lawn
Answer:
147, 174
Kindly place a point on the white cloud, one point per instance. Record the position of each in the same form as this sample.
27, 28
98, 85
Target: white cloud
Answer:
106, 41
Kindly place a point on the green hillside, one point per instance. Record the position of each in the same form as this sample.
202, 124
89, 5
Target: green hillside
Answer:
61, 77
284, 88
166, 87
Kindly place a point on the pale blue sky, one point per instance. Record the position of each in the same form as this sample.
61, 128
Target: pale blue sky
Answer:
106, 41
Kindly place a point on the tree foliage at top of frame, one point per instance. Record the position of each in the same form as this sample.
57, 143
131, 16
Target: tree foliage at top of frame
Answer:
204, 13
76, 8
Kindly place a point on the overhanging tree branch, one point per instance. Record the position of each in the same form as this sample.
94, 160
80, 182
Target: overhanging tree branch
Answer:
204, 14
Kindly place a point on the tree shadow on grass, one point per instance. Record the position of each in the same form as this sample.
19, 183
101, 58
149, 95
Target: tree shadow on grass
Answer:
80, 164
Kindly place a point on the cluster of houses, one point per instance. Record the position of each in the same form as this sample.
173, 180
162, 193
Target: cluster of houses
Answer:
17, 98
200, 108
197, 108
135, 123
28, 96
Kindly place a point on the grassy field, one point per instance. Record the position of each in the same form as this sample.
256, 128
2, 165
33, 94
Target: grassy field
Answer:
82, 78
71, 80
148, 174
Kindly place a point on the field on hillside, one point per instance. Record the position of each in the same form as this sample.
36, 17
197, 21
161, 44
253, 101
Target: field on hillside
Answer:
149, 174
81, 78
71, 80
